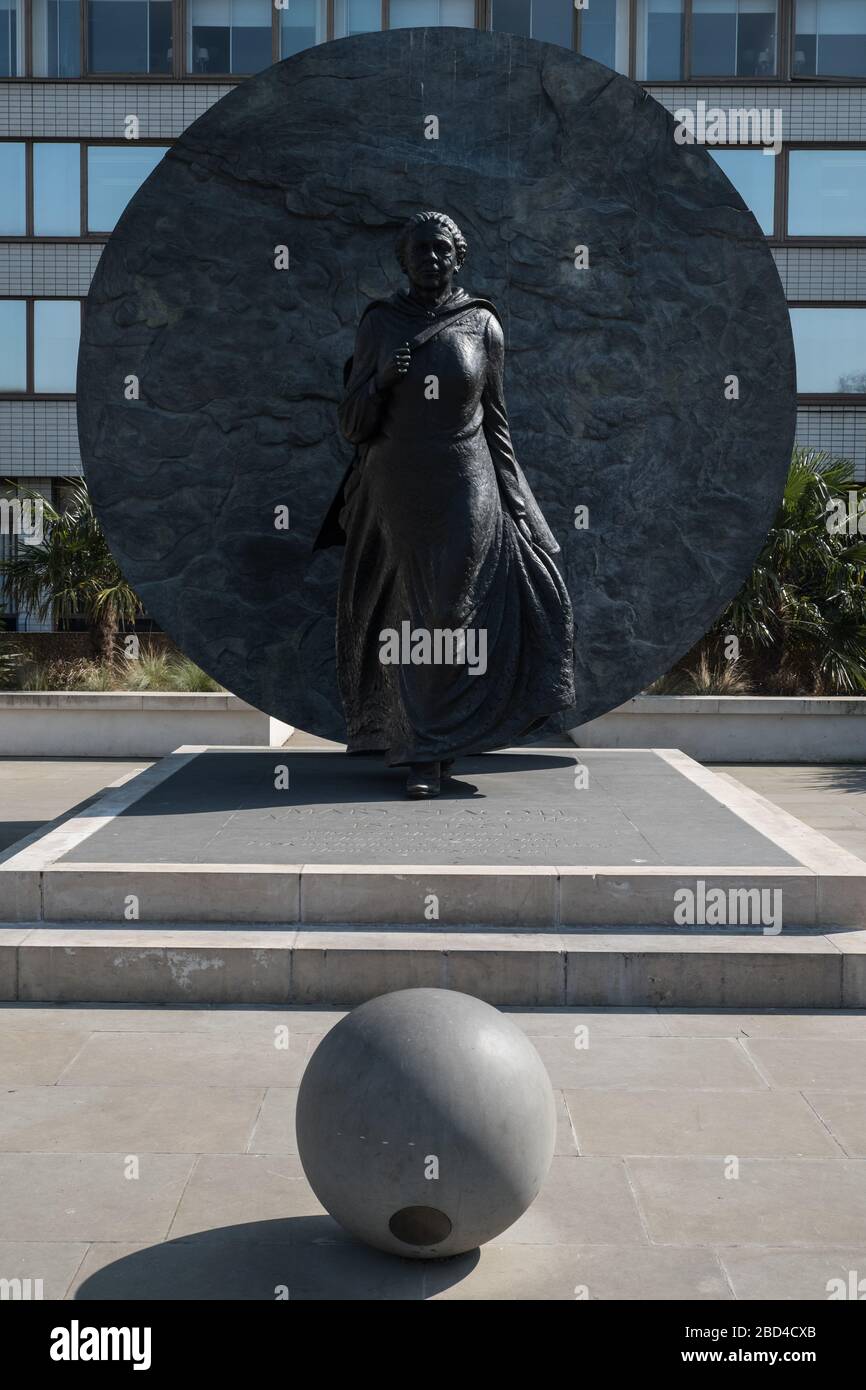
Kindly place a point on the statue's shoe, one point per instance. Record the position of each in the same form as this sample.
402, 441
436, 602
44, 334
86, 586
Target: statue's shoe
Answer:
423, 780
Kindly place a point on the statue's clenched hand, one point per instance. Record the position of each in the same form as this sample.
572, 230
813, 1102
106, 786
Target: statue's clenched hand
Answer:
394, 370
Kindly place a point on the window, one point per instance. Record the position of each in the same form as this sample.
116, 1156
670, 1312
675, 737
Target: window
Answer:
302, 25
57, 38
52, 328
56, 330
356, 17
13, 204
753, 174
53, 199
56, 190
13, 345
548, 20
830, 38
114, 174
229, 36
409, 14
129, 36
11, 39
659, 40
827, 193
830, 345
733, 38
604, 33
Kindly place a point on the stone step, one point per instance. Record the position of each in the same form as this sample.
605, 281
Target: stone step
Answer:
340, 966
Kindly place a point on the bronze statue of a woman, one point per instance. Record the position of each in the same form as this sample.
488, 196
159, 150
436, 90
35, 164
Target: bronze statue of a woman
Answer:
454, 626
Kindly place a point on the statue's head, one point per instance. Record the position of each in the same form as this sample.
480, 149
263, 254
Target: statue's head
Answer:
430, 249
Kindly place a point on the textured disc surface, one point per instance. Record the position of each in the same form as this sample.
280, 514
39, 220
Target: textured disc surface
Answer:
617, 371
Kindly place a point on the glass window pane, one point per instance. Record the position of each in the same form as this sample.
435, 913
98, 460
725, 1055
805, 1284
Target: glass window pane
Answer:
830, 345
548, 20
13, 209
659, 40
13, 345
604, 33
114, 174
753, 174
251, 35
229, 35
459, 14
159, 36
117, 35
356, 17
129, 35
209, 44
302, 25
410, 14
827, 193
56, 38
11, 39
56, 190
830, 38
733, 38
56, 328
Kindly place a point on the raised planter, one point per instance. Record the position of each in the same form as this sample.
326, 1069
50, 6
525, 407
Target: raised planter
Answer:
84, 724
736, 728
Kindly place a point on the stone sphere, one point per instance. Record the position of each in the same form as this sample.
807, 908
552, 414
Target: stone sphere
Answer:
425, 1122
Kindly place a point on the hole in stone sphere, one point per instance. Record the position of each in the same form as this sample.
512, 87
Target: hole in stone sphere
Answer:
420, 1225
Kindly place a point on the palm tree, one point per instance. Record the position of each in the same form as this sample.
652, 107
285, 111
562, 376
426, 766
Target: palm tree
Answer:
72, 573
801, 615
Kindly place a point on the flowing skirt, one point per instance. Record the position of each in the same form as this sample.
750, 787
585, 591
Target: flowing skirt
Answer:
422, 565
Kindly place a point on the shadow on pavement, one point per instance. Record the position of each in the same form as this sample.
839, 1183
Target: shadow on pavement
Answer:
299, 1258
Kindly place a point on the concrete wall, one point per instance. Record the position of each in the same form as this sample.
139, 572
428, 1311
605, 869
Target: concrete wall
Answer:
77, 724
736, 728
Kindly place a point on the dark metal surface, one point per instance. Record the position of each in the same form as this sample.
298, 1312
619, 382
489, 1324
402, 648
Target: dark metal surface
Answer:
615, 376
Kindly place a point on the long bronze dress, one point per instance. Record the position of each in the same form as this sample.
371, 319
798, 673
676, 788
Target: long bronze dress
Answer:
428, 514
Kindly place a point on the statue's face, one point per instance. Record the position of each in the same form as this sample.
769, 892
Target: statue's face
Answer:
431, 258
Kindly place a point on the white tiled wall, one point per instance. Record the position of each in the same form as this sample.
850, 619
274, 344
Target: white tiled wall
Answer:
53, 268
38, 439
808, 112
99, 109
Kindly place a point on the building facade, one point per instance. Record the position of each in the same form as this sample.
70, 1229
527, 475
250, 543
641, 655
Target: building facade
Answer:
73, 73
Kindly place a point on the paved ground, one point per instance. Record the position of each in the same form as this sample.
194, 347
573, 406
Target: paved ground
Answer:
830, 799
519, 808
149, 1153
34, 790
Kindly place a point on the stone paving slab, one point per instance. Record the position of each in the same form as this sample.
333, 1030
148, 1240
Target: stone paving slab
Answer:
95, 1119
823, 1063
36, 790
89, 1196
754, 1124
124, 1059
844, 1115
795, 1275
794, 1202
640, 1204
501, 808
